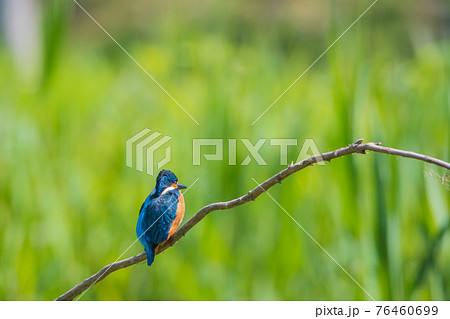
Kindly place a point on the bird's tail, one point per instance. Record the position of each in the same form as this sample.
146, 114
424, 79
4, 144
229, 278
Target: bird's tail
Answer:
150, 256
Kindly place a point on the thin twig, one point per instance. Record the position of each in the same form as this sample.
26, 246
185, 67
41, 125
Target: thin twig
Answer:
356, 147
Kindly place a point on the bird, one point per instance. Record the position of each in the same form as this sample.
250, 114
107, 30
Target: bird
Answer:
160, 214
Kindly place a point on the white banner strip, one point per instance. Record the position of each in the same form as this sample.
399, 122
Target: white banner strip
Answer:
233, 309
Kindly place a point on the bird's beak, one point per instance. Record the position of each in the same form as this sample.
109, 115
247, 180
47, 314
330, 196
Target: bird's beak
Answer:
181, 186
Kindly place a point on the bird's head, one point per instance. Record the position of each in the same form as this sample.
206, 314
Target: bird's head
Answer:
167, 180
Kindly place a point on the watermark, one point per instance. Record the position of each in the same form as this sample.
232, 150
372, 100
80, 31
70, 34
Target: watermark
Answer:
252, 150
144, 146
145, 143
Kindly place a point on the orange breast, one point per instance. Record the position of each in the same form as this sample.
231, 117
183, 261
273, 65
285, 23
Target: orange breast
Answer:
180, 214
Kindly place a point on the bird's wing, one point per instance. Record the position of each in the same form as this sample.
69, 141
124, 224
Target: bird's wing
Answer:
158, 217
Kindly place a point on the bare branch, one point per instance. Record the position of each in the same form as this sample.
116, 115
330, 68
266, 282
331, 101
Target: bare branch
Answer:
356, 147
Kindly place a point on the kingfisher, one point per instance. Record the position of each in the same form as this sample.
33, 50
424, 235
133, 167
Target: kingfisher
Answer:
160, 214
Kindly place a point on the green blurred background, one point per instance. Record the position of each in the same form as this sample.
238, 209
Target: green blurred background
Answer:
70, 98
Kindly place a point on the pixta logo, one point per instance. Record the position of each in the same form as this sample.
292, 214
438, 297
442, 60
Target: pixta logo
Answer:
144, 146
141, 149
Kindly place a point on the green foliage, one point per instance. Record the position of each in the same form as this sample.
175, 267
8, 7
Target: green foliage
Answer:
69, 205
